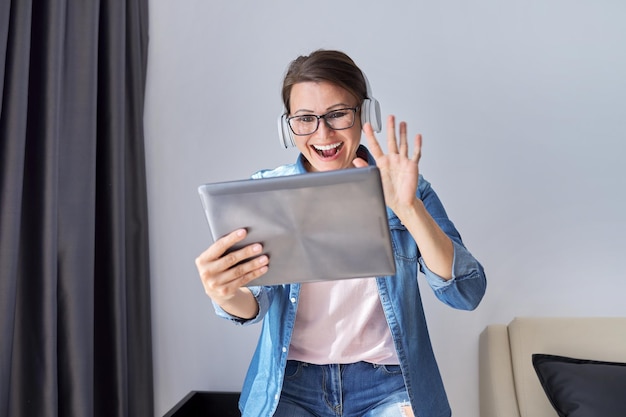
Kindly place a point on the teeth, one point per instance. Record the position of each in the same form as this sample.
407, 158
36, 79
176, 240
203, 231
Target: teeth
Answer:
327, 147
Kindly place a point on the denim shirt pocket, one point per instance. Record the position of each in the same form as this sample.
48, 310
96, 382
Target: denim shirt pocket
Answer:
404, 246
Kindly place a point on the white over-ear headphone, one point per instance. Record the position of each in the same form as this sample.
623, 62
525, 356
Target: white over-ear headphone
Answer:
370, 112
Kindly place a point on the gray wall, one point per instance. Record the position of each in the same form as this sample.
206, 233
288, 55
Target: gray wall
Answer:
522, 108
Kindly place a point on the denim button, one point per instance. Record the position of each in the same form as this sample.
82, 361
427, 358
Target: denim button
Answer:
293, 299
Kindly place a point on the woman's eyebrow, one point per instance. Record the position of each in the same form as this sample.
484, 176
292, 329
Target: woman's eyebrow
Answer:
306, 111
331, 108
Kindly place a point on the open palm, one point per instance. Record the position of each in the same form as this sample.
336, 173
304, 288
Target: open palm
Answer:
399, 172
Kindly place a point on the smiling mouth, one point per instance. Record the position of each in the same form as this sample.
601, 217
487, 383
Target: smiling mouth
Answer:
327, 151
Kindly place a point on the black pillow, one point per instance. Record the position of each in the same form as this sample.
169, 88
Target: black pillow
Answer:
582, 388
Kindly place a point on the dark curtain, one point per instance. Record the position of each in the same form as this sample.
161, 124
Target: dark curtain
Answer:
74, 288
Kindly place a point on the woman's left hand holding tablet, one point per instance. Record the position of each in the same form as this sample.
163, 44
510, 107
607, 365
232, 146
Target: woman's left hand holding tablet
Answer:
225, 274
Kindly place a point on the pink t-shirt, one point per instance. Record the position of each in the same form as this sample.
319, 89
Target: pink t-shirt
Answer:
341, 322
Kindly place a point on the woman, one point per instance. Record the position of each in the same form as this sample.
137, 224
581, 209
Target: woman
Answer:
357, 347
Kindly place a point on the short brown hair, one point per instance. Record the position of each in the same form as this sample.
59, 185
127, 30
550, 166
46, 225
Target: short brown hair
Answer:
334, 67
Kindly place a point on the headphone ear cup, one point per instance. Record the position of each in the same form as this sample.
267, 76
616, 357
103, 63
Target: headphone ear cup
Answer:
284, 132
370, 112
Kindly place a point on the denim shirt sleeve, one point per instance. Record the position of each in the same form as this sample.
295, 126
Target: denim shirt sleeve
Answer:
262, 296
468, 284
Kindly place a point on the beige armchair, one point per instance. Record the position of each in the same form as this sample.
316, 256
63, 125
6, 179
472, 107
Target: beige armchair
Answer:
509, 385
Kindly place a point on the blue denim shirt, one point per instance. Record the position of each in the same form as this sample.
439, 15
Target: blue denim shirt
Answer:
402, 305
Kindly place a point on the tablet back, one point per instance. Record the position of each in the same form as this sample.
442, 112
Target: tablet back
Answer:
316, 226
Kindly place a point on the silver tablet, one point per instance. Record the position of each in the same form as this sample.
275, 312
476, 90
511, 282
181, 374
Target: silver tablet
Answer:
316, 226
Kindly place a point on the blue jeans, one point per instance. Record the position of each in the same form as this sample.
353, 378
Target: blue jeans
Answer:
354, 390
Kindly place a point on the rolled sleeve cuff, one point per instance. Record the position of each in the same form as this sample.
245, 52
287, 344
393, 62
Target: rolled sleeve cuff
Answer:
461, 265
262, 300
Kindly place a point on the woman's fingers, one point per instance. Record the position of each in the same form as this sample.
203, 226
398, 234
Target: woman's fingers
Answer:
223, 272
395, 145
372, 142
404, 145
392, 144
224, 284
417, 149
221, 245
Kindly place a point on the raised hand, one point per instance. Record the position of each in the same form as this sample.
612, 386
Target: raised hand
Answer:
399, 172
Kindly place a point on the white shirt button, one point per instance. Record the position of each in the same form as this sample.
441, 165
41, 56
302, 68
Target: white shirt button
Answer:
284, 349
293, 299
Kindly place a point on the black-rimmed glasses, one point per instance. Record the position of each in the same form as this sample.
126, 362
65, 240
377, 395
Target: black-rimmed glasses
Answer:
307, 124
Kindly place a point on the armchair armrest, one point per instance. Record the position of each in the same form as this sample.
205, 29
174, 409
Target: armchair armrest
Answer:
497, 389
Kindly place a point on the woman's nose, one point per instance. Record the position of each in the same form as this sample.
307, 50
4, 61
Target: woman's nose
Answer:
323, 129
